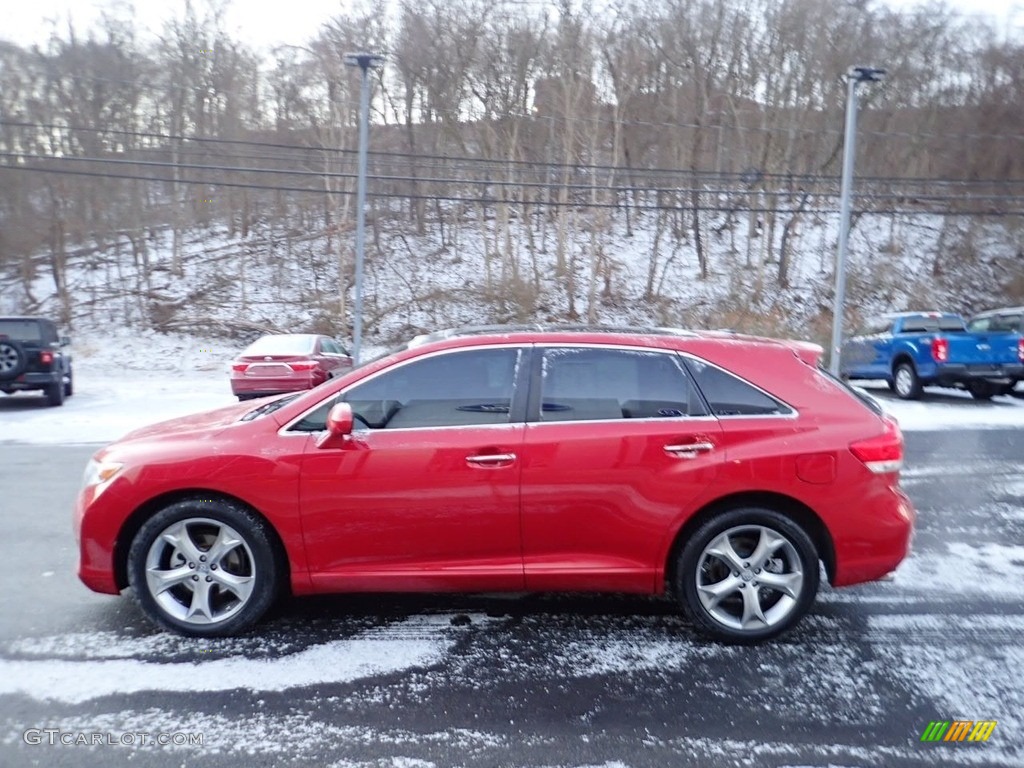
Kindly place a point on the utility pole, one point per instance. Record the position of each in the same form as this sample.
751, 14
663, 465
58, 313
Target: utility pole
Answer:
365, 61
854, 77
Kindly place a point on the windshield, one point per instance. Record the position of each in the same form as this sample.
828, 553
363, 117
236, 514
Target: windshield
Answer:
290, 344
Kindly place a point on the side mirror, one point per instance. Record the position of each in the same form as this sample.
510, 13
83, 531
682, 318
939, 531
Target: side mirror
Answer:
65, 341
339, 427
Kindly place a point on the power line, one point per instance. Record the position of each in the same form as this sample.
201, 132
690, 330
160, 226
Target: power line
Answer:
501, 164
547, 203
521, 184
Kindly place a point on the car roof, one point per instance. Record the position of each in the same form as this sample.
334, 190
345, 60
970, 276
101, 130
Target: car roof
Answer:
1000, 311
533, 329
664, 337
922, 313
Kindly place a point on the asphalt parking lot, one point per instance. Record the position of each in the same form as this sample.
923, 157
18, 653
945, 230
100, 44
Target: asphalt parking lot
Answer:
528, 680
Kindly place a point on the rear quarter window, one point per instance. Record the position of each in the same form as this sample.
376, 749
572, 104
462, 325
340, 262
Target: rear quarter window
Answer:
729, 395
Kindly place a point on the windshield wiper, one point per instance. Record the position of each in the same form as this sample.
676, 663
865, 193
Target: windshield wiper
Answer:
266, 408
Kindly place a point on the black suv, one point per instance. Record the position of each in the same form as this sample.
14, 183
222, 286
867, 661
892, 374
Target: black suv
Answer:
32, 356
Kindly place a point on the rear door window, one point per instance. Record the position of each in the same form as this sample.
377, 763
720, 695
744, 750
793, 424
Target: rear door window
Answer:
593, 384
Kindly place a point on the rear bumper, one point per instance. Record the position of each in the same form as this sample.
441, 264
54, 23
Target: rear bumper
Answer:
271, 386
958, 374
27, 381
880, 545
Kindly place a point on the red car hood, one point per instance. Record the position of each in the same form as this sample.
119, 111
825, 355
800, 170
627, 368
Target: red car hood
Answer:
207, 421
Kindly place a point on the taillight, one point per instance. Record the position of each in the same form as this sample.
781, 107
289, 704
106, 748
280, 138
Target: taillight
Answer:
1020, 349
46, 357
881, 454
304, 365
940, 350
239, 367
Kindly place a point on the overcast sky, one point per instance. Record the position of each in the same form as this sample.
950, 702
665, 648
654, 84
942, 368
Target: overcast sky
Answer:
264, 24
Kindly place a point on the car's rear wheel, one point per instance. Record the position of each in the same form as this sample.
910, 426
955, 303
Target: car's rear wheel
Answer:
747, 575
981, 390
69, 385
906, 382
55, 393
204, 568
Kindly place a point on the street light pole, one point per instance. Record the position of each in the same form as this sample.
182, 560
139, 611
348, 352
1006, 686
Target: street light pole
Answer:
854, 76
364, 61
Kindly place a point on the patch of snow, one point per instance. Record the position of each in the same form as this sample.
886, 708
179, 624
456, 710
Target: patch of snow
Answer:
995, 569
104, 408
964, 684
948, 409
419, 641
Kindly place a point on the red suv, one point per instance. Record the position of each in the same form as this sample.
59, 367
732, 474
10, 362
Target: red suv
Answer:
287, 362
718, 468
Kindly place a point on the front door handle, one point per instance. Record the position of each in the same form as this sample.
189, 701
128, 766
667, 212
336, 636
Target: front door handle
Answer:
689, 450
488, 459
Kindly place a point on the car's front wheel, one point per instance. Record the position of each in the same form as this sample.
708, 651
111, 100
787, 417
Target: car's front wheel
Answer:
747, 575
204, 567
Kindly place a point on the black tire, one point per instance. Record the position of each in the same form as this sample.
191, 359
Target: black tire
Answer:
196, 524
906, 382
792, 560
69, 386
55, 393
981, 390
12, 359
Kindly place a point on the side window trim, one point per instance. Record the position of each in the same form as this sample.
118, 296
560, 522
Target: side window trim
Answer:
536, 376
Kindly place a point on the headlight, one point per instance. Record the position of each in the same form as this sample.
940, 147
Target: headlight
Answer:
100, 472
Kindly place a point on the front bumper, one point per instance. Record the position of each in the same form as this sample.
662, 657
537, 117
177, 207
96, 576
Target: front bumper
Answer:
95, 546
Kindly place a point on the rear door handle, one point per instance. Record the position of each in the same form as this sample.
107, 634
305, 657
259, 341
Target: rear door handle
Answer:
491, 458
689, 450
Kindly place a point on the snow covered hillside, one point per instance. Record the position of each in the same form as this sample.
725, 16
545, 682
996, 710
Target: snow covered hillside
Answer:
490, 271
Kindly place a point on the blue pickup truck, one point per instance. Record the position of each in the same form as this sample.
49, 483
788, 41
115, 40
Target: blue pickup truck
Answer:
912, 350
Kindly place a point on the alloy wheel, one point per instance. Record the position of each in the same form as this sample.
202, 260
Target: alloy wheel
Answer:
200, 571
749, 578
